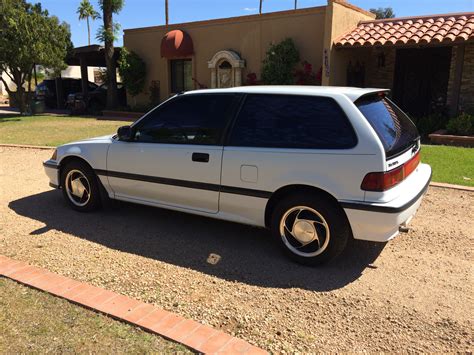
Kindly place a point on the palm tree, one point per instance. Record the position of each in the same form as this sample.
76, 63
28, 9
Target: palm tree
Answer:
86, 11
107, 34
260, 7
166, 12
296, 4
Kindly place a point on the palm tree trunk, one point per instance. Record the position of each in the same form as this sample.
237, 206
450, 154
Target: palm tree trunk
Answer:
166, 12
112, 98
88, 31
296, 4
260, 8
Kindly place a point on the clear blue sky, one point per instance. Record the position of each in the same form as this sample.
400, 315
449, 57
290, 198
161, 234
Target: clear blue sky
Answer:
142, 13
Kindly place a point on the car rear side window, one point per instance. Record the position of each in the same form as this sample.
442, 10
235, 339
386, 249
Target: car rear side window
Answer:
396, 131
187, 119
291, 121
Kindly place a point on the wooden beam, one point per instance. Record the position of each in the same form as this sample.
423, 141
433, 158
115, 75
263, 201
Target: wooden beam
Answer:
84, 76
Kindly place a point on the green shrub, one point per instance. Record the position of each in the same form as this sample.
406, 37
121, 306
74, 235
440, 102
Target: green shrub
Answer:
279, 63
430, 123
132, 70
462, 125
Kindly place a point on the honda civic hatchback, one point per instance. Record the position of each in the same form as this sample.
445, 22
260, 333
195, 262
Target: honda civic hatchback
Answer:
315, 165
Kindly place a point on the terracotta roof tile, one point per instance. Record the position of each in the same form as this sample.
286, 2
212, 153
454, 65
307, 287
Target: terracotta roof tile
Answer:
425, 29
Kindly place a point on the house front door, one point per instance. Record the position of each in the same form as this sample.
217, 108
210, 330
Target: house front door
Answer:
421, 79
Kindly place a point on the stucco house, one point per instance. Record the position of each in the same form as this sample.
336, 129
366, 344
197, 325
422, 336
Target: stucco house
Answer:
424, 60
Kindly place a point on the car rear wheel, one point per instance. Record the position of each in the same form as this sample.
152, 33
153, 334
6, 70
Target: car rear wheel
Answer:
311, 229
80, 187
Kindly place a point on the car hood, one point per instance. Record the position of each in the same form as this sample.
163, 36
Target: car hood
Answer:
107, 138
101, 139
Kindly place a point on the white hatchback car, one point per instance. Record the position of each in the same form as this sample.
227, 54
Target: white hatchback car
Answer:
316, 165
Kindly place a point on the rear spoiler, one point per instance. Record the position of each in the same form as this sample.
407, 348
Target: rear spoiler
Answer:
381, 92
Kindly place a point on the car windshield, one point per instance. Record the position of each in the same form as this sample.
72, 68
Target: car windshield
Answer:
394, 128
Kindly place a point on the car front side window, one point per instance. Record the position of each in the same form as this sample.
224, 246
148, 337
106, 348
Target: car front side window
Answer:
187, 119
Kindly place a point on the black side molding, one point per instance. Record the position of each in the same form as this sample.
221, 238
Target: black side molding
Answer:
384, 209
53, 185
186, 183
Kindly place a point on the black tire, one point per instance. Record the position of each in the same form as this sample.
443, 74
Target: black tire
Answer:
331, 230
82, 171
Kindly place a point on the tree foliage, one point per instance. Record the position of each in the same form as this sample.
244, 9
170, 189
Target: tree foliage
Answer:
279, 63
86, 11
29, 36
381, 13
132, 70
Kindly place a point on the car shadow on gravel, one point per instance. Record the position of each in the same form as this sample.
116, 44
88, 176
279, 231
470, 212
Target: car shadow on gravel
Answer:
247, 254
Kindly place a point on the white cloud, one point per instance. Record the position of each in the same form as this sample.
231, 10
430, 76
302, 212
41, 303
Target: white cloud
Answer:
250, 9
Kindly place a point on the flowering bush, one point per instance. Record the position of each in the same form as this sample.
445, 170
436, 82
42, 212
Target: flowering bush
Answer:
252, 79
306, 76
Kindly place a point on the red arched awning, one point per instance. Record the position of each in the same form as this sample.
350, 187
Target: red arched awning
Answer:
177, 44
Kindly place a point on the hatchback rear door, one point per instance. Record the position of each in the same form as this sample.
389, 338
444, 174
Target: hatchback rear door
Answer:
394, 128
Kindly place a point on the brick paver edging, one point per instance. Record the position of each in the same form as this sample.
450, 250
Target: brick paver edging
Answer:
190, 333
452, 186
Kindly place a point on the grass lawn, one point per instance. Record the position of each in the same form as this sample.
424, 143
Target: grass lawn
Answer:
36, 322
452, 165
52, 130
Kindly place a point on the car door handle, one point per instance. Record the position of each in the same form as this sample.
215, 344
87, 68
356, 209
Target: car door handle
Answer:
201, 157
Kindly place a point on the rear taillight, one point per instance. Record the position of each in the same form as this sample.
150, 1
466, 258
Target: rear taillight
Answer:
382, 181
411, 165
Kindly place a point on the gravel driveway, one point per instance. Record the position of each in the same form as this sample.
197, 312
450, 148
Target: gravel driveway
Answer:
414, 293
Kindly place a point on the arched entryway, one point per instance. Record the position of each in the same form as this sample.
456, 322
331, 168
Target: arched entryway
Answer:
226, 69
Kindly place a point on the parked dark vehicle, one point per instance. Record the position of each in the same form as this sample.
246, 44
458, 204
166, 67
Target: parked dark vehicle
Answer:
97, 99
46, 90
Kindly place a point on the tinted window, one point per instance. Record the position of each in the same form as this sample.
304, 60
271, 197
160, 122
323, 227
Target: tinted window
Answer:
285, 121
188, 119
396, 131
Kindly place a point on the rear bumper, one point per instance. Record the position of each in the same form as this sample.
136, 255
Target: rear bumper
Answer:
381, 222
51, 168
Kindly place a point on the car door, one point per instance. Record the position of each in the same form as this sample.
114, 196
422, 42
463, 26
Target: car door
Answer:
175, 156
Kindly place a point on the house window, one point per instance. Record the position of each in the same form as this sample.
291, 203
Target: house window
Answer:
181, 75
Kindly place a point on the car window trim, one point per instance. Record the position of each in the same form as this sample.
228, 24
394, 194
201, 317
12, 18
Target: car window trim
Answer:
230, 124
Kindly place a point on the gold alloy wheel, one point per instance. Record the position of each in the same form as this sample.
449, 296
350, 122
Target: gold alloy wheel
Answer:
77, 188
304, 231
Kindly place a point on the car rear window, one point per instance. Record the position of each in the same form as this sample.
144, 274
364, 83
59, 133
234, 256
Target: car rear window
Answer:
394, 128
291, 121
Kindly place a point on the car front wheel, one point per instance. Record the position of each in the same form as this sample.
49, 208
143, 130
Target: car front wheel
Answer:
311, 229
80, 187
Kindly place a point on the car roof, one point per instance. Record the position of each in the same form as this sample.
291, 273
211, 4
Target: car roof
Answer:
352, 93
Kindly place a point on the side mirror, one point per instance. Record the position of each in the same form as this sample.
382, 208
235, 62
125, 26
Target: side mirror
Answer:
124, 133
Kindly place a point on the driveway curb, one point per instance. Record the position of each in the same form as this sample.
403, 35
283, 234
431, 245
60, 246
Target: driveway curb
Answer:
452, 186
192, 334
24, 146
